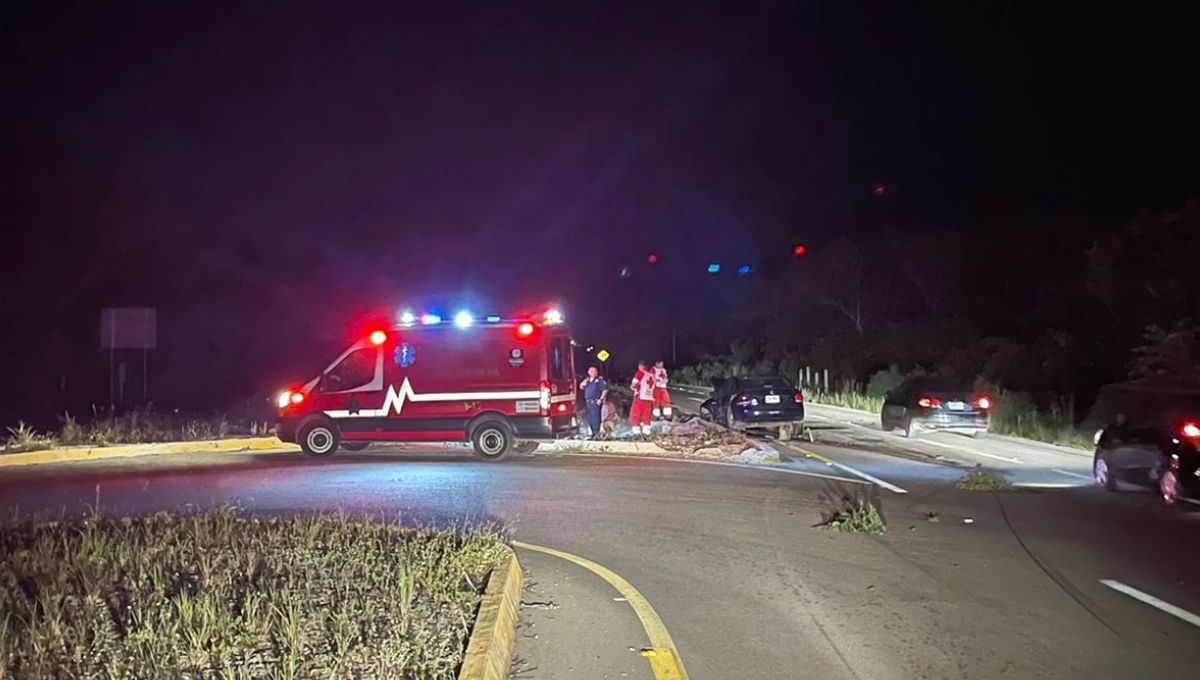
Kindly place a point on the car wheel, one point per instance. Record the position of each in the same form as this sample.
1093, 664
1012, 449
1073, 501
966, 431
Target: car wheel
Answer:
1102, 474
1168, 487
911, 428
705, 414
492, 440
319, 438
355, 446
785, 432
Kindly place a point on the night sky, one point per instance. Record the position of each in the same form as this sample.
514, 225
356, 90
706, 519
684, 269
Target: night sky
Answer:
266, 173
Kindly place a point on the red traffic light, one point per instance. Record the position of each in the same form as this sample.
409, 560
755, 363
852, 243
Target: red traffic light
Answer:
879, 189
652, 258
800, 250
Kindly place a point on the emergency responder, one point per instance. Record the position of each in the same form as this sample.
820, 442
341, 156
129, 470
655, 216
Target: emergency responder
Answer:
595, 391
643, 400
662, 400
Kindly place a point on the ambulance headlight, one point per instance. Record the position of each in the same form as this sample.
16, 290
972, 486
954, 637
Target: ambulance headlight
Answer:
284, 399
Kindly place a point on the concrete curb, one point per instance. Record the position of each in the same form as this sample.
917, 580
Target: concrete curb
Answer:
490, 647
71, 454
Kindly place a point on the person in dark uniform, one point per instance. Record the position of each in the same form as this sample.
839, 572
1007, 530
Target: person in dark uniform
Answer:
595, 391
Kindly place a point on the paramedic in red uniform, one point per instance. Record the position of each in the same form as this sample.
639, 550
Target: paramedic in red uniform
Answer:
643, 399
662, 400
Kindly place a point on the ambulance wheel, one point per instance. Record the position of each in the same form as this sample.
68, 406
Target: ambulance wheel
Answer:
319, 438
525, 447
355, 446
492, 440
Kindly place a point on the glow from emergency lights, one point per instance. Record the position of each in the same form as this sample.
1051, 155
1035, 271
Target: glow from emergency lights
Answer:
430, 319
525, 330
463, 319
714, 268
744, 269
552, 317
407, 318
297, 397
378, 337
493, 318
1191, 430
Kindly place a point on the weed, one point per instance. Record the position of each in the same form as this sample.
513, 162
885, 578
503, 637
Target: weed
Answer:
979, 479
217, 594
24, 438
859, 517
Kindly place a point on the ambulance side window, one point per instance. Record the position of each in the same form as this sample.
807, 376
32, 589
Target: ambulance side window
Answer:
356, 370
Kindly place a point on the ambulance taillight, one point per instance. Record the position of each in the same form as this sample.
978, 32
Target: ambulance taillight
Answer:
544, 397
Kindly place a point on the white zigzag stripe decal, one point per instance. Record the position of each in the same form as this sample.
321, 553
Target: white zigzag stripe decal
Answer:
396, 399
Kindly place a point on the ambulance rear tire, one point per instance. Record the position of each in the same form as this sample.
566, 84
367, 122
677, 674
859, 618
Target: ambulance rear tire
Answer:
319, 438
355, 446
492, 440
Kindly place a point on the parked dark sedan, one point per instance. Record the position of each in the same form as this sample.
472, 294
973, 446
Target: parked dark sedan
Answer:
931, 403
1161, 456
756, 403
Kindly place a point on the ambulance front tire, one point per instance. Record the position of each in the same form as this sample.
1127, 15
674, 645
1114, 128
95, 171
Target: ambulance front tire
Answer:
492, 439
318, 437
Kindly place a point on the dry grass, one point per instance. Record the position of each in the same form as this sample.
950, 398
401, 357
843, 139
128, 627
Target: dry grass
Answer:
219, 595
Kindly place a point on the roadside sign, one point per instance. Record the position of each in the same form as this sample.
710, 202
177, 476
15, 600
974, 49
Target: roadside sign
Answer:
603, 355
128, 328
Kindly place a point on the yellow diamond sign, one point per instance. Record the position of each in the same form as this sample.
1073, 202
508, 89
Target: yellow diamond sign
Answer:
603, 355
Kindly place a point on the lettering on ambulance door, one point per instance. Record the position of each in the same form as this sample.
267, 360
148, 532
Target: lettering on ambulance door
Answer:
356, 371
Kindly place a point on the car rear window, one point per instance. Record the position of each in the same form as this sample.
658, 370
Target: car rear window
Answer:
939, 385
766, 384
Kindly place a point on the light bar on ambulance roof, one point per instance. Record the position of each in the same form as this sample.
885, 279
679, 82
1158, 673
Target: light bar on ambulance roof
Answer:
407, 318
552, 317
493, 318
463, 319
430, 319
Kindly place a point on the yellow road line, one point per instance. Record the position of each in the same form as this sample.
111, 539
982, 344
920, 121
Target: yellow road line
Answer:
662, 655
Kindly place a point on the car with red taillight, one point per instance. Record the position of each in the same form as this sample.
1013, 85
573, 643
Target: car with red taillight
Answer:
490, 381
1161, 453
927, 403
756, 403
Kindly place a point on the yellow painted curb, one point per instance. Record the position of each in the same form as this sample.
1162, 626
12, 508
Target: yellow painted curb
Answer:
68, 455
490, 648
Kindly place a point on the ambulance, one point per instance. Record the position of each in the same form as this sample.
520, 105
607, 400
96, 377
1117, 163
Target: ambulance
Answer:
489, 381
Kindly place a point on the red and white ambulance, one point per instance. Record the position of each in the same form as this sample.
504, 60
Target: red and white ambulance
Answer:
489, 381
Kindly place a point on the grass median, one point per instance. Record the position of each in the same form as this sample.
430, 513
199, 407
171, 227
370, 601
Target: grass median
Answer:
220, 595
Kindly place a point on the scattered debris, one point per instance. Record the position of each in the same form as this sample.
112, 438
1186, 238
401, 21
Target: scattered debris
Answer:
539, 605
968, 520
932, 516
860, 517
979, 479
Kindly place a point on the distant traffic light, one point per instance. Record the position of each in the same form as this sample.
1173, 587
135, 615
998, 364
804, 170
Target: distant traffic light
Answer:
800, 250
714, 268
652, 258
879, 189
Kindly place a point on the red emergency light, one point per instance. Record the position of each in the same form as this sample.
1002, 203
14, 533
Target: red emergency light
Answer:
378, 337
525, 329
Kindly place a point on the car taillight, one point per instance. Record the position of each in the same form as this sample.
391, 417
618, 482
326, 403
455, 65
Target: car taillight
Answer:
743, 400
928, 402
983, 402
1190, 430
799, 398
544, 396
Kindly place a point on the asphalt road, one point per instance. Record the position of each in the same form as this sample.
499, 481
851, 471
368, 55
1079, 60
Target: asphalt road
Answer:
730, 560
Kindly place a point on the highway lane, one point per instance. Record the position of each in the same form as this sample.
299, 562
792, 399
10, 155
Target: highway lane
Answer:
1023, 462
731, 561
